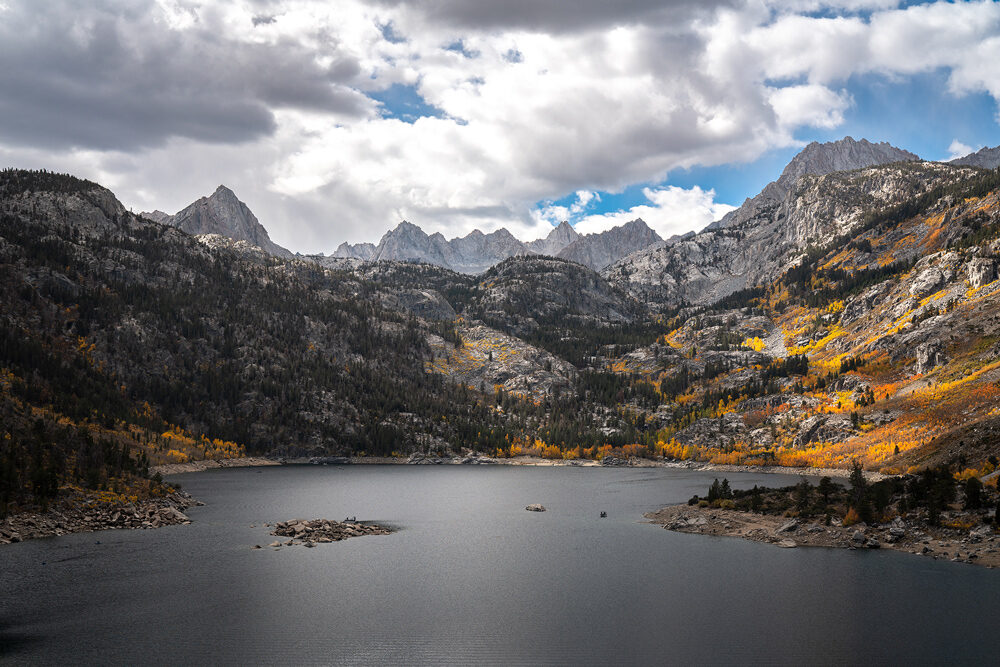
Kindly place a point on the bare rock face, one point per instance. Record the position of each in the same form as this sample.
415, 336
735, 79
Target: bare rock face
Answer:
600, 250
477, 252
558, 238
987, 158
362, 251
425, 303
929, 357
981, 271
926, 282
473, 253
223, 214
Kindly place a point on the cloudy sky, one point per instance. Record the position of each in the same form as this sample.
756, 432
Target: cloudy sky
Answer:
335, 120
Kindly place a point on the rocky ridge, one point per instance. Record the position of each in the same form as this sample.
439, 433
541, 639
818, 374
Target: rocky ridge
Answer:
705, 267
986, 158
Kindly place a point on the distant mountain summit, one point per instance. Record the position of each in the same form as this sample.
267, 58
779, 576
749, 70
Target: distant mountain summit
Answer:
987, 158
600, 250
345, 250
223, 214
558, 238
816, 159
476, 251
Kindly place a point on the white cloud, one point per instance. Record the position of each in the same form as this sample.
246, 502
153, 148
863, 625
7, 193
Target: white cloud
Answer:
607, 98
957, 149
812, 105
671, 210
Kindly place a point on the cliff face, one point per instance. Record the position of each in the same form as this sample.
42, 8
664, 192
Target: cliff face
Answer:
600, 250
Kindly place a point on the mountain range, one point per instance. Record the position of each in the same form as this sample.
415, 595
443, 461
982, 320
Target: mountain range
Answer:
852, 314
224, 214
476, 252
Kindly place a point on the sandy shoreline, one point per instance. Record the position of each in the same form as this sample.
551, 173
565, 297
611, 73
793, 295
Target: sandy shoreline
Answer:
979, 547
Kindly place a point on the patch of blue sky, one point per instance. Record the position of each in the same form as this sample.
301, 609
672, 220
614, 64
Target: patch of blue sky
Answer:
404, 103
832, 12
460, 47
916, 113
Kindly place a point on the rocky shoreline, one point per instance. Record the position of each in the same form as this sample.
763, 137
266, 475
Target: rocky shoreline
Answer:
76, 515
480, 459
980, 546
212, 464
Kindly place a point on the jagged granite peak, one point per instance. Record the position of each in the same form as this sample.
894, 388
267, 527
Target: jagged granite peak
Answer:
363, 251
605, 248
476, 251
473, 253
816, 159
987, 158
224, 214
560, 237
408, 243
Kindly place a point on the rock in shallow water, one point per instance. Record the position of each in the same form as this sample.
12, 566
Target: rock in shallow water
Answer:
535, 507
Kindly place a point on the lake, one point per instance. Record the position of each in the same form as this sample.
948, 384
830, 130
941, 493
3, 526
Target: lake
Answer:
471, 577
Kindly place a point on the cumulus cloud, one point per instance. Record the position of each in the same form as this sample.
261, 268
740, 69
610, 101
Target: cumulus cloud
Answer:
957, 149
165, 99
671, 210
121, 75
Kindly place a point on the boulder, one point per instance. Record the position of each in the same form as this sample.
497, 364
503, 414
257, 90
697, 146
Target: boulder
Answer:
787, 544
808, 429
788, 526
926, 282
535, 507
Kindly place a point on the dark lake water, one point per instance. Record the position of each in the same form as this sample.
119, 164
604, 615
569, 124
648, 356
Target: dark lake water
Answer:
471, 577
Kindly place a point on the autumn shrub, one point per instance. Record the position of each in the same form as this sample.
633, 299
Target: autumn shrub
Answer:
851, 518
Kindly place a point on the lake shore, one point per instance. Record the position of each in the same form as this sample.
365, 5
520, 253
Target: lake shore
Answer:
86, 514
697, 466
212, 464
979, 547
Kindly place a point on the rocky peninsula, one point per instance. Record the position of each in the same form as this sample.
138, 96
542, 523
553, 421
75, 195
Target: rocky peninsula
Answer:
980, 545
88, 513
932, 514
